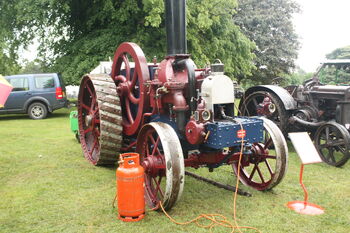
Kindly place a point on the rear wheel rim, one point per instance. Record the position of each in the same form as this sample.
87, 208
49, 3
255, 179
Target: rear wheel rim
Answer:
99, 118
89, 116
265, 167
332, 143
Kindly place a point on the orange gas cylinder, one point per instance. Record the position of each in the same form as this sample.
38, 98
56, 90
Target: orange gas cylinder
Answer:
130, 188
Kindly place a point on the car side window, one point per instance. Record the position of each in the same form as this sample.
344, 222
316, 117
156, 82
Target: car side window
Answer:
19, 84
44, 82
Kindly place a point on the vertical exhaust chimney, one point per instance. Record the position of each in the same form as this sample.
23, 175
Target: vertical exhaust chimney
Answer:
175, 21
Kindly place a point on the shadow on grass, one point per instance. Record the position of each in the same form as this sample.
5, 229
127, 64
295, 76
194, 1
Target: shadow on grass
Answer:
14, 117
111, 167
9, 117
58, 115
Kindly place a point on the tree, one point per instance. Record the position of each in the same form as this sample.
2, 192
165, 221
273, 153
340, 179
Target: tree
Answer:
8, 65
297, 77
31, 67
269, 24
75, 35
340, 53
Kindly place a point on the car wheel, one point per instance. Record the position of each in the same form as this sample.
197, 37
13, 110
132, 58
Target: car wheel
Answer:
37, 111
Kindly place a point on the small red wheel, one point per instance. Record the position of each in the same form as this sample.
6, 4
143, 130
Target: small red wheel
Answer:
266, 165
162, 158
130, 72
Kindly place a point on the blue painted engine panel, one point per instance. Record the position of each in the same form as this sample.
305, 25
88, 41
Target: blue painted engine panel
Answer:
165, 119
224, 133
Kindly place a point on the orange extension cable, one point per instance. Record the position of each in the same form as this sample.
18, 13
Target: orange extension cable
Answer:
215, 219
218, 219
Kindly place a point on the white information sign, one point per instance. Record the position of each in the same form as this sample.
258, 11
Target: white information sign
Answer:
305, 148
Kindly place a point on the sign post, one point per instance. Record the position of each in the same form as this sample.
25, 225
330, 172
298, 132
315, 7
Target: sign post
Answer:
308, 155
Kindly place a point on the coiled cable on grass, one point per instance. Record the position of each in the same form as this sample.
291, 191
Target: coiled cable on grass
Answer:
218, 219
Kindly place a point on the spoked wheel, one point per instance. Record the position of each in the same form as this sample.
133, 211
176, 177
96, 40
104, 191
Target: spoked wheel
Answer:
332, 142
162, 158
99, 118
265, 167
262, 103
130, 72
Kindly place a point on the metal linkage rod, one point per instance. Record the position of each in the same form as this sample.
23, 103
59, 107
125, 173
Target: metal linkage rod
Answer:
217, 184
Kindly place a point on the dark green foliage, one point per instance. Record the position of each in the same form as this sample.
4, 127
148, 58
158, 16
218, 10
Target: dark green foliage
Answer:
297, 78
7, 65
212, 35
269, 24
31, 67
75, 35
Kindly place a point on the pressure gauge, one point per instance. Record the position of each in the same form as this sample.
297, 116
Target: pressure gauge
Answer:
206, 115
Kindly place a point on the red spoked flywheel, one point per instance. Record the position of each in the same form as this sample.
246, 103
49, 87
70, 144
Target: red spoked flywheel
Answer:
130, 72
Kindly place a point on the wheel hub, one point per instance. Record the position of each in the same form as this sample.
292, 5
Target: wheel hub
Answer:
153, 165
258, 153
123, 89
266, 107
37, 111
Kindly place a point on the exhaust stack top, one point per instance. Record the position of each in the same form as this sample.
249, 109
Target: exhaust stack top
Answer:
175, 21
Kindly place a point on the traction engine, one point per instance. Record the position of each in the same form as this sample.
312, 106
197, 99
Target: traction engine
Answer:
319, 109
174, 115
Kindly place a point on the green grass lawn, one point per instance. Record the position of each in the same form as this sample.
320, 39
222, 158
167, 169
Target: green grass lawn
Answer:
47, 186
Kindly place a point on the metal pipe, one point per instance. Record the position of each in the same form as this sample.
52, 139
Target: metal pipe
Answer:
308, 124
181, 120
217, 184
175, 21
